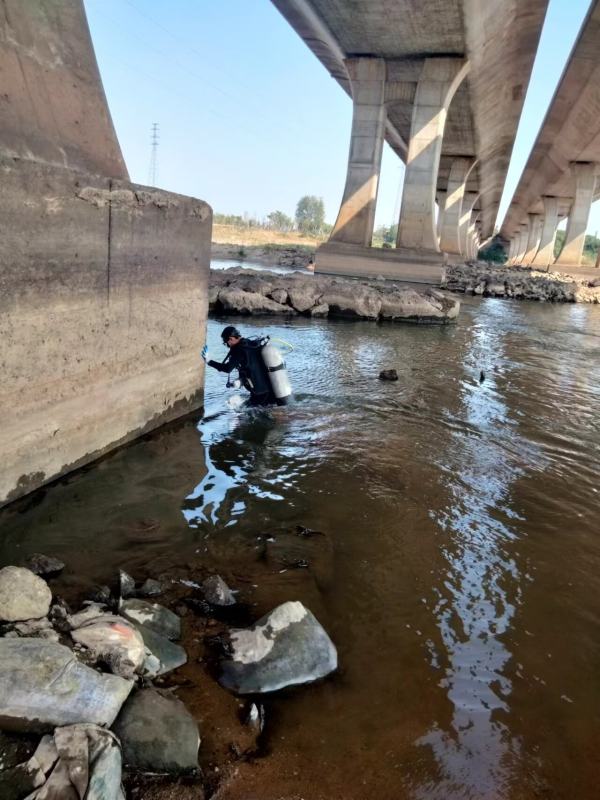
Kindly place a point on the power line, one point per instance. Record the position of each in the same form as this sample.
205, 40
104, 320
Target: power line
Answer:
153, 169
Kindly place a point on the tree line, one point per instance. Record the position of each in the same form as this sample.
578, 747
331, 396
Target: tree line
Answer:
309, 219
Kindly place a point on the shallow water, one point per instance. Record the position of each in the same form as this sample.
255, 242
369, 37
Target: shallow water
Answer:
463, 584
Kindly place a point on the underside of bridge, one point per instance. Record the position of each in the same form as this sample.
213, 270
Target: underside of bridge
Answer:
444, 85
560, 178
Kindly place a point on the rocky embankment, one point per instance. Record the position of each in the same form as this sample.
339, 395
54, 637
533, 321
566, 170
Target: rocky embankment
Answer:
521, 283
240, 291
280, 255
87, 696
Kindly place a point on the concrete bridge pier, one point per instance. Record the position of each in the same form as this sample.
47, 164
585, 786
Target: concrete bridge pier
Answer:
376, 85
523, 239
536, 223
512, 248
449, 238
545, 252
585, 184
437, 84
356, 218
468, 204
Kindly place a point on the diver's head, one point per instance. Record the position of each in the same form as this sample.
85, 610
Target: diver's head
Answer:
230, 335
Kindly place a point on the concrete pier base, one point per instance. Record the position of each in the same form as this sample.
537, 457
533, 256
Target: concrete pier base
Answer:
103, 304
401, 263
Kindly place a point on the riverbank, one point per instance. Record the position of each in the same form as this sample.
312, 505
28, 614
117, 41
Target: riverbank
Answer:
271, 248
521, 283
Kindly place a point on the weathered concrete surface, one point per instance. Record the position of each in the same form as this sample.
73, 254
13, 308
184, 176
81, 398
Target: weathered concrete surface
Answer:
52, 104
103, 302
103, 283
569, 134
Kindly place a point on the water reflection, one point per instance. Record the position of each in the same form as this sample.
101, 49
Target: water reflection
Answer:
481, 588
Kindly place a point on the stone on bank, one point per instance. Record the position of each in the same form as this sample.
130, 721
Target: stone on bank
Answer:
43, 686
286, 647
23, 595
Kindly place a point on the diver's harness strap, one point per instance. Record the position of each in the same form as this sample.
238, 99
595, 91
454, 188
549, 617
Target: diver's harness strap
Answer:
274, 369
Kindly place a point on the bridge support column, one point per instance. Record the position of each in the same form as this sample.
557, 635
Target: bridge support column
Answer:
585, 182
356, 218
523, 239
545, 253
469, 200
471, 237
536, 222
438, 82
511, 251
457, 181
441, 202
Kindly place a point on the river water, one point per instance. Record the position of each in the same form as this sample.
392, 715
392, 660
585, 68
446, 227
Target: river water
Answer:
460, 572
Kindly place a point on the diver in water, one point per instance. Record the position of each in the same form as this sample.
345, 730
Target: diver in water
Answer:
245, 356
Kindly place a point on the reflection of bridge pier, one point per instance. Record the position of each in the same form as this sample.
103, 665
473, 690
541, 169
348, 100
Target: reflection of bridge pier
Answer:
434, 87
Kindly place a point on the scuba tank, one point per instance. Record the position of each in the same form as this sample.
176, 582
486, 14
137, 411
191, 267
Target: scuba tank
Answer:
277, 372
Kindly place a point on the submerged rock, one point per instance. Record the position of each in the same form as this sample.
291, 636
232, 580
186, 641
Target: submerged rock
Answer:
23, 595
44, 565
42, 685
150, 588
152, 615
217, 592
388, 375
157, 733
288, 646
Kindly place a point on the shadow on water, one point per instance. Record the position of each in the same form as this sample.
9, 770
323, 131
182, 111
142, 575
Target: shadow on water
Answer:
459, 571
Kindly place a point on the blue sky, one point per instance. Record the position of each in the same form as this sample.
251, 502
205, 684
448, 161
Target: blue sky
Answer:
249, 120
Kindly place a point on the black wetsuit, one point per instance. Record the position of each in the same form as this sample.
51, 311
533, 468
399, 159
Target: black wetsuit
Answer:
245, 356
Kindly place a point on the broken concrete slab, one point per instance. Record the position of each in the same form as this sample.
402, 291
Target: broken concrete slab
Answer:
42, 686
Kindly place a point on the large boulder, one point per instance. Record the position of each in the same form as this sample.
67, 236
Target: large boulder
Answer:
303, 295
22, 595
352, 299
237, 301
157, 733
419, 306
42, 686
288, 646
152, 615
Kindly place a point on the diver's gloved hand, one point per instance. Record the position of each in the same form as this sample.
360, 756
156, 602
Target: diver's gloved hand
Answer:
204, 353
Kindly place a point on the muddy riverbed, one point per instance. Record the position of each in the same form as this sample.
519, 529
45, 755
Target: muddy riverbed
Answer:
460, 572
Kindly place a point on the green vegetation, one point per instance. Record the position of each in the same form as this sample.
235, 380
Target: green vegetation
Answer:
310, 219
590, 248
493, 252
310, 214
385, 236
279, 221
